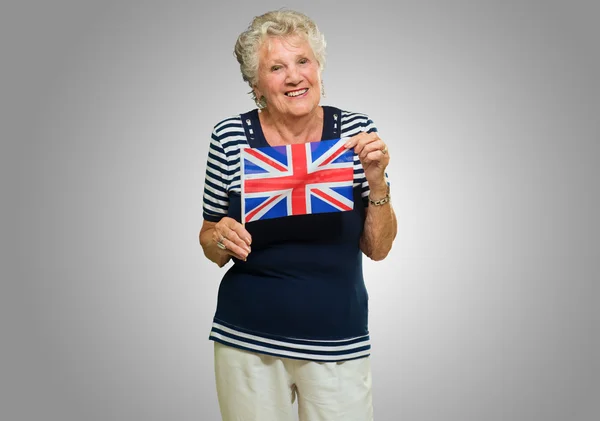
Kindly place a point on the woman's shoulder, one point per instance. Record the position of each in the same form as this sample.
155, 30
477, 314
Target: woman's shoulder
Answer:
354, 120
228, 124
347, 115
229, 134
232, 125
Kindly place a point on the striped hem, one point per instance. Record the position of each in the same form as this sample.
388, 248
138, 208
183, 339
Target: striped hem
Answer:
302, 349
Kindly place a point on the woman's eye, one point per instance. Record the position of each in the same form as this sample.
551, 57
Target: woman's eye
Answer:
303, 61
275, 68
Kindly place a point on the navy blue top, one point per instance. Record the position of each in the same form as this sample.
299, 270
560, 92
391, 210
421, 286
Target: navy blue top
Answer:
301, 292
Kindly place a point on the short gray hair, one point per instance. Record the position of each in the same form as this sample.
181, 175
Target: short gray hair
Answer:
277, 23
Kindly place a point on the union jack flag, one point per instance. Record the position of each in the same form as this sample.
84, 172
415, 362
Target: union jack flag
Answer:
297, 179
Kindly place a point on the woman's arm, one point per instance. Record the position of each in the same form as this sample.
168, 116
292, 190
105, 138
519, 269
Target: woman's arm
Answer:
380, 225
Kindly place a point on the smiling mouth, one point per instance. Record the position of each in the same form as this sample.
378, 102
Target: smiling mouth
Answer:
299, 92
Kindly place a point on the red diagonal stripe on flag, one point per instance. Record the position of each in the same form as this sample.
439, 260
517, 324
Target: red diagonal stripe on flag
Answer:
256, 210
331, 199
265, 158
333, 156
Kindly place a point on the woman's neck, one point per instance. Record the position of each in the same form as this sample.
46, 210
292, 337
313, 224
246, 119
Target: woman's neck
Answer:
282, 130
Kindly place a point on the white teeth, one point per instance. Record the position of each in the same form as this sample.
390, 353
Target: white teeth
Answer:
296, 93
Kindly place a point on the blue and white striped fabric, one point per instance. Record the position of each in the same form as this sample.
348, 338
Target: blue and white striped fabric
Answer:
304, 349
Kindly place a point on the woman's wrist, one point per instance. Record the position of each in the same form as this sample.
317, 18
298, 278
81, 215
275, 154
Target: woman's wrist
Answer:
379, 189
381, 199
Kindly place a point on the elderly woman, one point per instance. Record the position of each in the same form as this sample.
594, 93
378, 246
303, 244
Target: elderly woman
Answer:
291, 318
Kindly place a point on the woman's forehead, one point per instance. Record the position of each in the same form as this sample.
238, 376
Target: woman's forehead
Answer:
273, 46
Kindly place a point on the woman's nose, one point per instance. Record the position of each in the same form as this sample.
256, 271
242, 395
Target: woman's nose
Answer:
293, 75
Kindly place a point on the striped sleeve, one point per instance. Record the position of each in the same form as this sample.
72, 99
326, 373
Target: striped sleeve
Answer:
353, 124
215, 201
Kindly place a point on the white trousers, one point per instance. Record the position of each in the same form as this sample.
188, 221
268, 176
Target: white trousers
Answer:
257, 387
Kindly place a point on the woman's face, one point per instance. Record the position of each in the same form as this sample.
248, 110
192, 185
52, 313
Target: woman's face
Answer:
288, 76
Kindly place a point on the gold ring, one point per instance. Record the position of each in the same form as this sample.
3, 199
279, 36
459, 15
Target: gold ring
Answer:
384, 150
221, 245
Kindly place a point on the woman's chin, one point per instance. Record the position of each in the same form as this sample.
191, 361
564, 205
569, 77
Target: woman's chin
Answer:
301, 109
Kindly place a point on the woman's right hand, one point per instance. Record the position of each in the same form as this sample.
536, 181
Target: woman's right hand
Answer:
230, 237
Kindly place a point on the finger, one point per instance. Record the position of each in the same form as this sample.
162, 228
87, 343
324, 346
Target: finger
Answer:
353, 141
233, 237
217, 236
222, 246
377, 145
220, 242
241, 252
376, 157
241, 233
365, 140
228, 226
371, 147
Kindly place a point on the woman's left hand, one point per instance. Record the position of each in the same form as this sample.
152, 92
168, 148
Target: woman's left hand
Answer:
373, 155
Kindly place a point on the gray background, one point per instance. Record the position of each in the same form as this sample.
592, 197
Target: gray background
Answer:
487, 306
